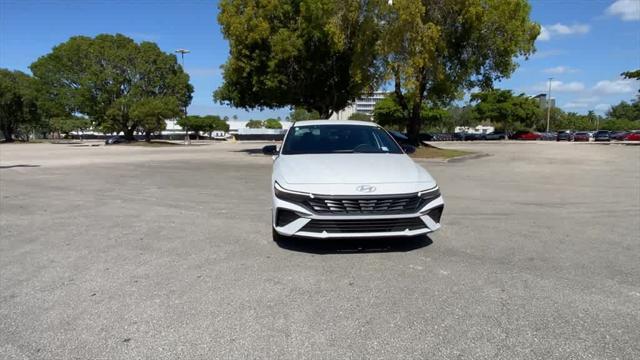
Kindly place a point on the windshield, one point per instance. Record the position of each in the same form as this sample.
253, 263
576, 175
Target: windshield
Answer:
333, 139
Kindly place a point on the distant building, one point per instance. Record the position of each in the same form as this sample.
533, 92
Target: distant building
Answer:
542, 100
235, 127
480, 129
364, 104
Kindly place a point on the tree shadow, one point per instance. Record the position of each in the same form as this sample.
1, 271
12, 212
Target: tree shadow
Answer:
16, 166
250, 151
350, 245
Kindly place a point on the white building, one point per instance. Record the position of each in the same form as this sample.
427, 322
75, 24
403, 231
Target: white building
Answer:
364, 104
480, 129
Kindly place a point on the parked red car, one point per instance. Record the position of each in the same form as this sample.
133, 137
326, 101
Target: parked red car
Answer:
526, 135
633, 136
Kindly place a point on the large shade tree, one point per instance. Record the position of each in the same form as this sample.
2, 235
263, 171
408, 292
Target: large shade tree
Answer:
502, 108
106, 77
314, 54
19, 112
433, 50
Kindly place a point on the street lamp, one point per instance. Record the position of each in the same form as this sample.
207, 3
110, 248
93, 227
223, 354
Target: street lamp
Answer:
187, 139
182, 52
549, 104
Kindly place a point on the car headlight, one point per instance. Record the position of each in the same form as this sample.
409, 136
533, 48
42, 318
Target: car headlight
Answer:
290, 195
430, 194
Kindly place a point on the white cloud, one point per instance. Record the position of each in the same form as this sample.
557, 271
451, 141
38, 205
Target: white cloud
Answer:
559, 70
602, 107
559, 86
575, 105
627, 10
544, 34
588, 99
562, 29
620, 86
549, 31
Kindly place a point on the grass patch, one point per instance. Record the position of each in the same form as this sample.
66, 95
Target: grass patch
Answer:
432, 152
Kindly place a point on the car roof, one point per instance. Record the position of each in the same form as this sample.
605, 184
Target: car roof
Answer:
334, 122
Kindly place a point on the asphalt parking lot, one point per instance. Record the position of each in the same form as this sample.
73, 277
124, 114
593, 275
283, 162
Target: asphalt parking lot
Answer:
166, 253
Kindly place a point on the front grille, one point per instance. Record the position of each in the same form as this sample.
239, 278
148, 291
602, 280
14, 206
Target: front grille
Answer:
405, 204
363, 225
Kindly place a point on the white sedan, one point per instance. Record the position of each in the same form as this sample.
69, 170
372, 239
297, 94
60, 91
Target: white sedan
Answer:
341, 179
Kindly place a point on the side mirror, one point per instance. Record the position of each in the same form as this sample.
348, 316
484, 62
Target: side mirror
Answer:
270, 150
409, 149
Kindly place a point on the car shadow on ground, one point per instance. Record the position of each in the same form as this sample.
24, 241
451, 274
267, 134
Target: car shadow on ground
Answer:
18, 166
350, 246
250, 151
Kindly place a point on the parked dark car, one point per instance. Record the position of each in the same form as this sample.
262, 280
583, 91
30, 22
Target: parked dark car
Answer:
564, 135
461, 136
633, 136
496, 135
602, 135
443, 137
548, 136
581, 136
426, 137
399, 137
115, 140
525, 135
619, 135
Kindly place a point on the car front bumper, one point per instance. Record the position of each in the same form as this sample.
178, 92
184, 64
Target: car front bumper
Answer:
312, 225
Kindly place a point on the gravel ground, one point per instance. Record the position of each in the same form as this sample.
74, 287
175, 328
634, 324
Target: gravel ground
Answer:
164, 253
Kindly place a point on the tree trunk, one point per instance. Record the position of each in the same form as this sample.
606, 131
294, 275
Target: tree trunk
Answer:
128, 134
414, 124
147, 136
8, 134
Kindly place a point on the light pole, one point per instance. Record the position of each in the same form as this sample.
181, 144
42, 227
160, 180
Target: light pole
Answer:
549, 104
187, 139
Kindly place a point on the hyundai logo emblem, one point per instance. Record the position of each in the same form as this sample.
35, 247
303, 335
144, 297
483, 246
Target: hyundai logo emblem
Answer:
366, 188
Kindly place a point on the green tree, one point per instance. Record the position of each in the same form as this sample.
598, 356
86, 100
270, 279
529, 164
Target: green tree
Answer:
203, 124
462, 116
315, 54
388, 113
502, 107
151, 114
272, 124
436, 120
432, 50
254, 124
19, 112
625, 110
620, 124
106, 76
69, 124
635, 74
300, 114
360, 116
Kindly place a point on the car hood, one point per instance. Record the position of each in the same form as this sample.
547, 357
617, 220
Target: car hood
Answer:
338, 173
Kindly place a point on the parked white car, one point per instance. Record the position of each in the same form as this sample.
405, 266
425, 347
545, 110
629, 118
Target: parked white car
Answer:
339, 179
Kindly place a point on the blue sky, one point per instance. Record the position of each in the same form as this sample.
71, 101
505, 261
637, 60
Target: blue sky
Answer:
585, 44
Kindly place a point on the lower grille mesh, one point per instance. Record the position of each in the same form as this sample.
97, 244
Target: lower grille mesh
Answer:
363, 225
